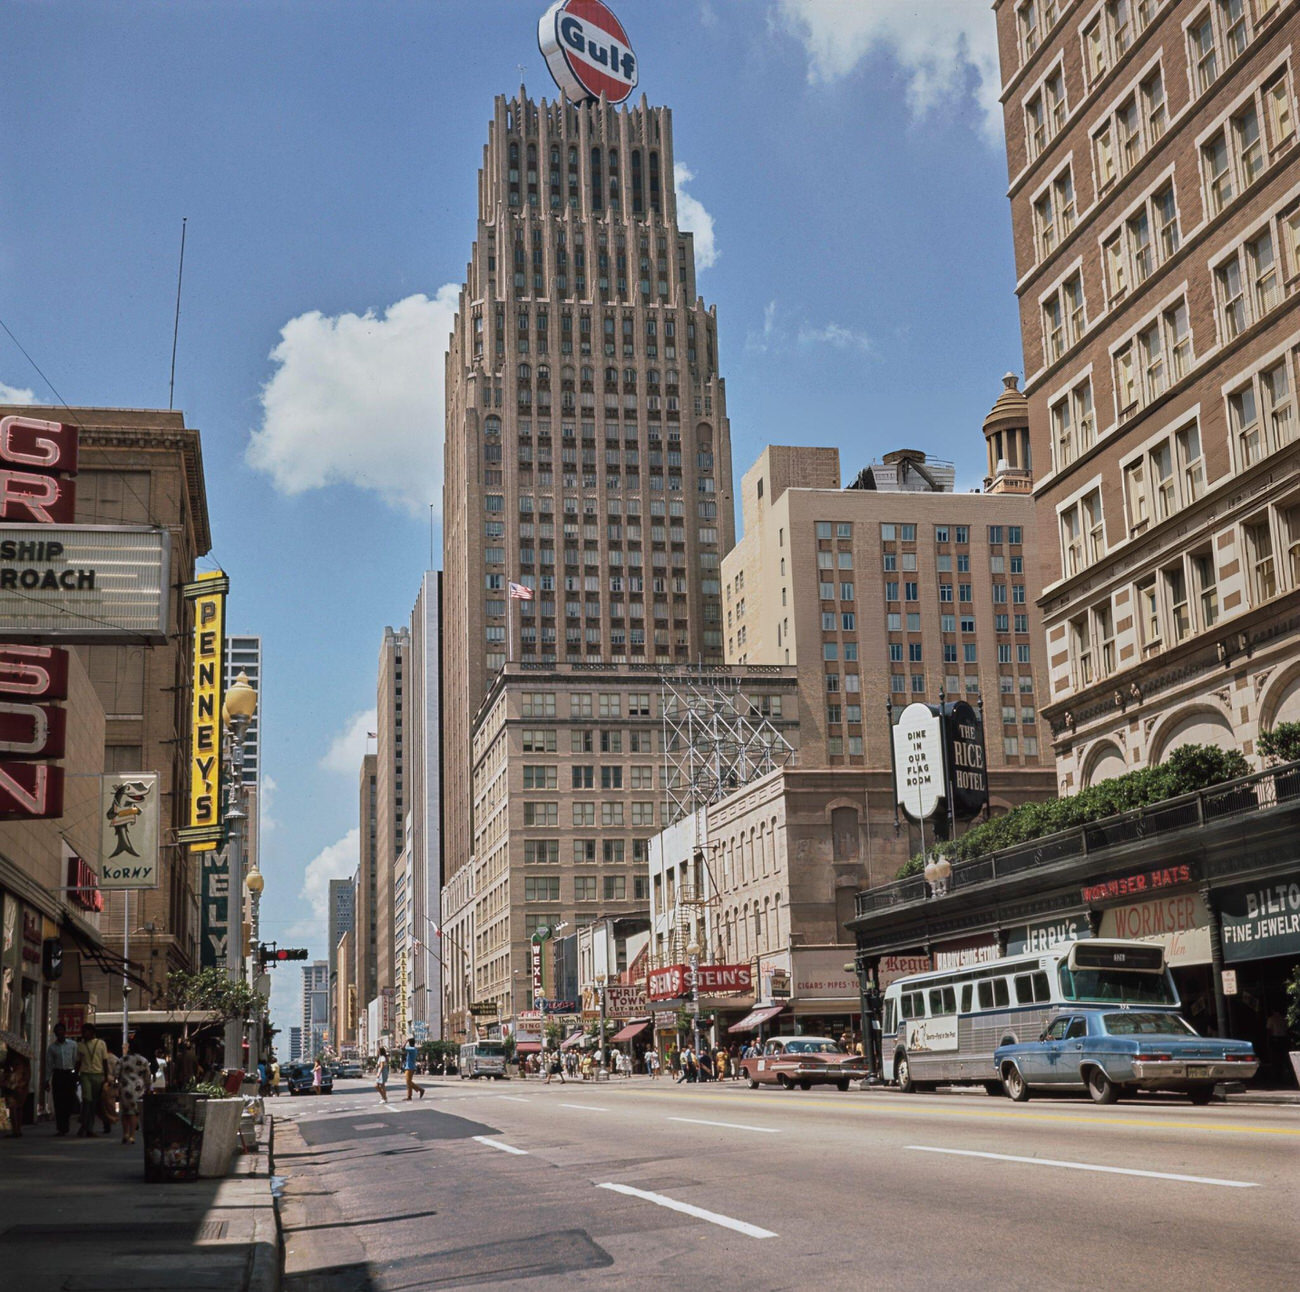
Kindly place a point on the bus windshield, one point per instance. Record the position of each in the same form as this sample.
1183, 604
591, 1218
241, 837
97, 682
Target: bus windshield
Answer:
490, 1049
1115, 985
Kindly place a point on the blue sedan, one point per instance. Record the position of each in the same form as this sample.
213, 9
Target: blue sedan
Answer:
1111, 1051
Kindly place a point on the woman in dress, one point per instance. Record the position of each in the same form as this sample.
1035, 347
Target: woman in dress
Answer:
316, 1078
381, 1075
134, 1077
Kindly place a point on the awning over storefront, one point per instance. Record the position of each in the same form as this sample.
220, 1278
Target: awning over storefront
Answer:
527, 1047
632, 1030
756, 1018
570, 1041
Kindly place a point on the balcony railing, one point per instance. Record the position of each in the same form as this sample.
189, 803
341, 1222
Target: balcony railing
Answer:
1259, 792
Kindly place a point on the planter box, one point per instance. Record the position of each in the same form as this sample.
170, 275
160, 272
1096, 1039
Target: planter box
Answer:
220, 1134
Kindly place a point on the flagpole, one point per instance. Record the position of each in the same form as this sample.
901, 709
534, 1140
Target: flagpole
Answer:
510, 621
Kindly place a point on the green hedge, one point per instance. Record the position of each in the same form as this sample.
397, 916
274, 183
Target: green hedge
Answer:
1189, 768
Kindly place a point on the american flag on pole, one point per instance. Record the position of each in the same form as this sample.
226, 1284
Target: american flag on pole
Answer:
519, 592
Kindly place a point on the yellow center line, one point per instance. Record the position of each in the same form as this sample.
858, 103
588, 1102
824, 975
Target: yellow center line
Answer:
1101, 1119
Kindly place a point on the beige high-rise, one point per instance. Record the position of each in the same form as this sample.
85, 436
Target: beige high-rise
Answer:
587, 445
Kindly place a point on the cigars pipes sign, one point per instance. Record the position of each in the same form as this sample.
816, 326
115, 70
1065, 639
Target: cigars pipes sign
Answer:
587, 51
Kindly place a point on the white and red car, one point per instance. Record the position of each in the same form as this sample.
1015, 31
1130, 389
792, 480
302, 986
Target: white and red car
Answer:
803, 1061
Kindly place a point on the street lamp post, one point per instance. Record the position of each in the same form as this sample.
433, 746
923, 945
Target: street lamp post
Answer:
236, 712
693, 953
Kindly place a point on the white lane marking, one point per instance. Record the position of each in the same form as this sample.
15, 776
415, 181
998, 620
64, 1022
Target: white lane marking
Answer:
505, 1148
589, 1108
1089, 1166
713, 1217
698, 1121
515, 1099
369, 1125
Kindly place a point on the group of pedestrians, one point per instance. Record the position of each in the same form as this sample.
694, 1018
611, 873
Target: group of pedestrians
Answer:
87, 1078
410, 1058
708, 1063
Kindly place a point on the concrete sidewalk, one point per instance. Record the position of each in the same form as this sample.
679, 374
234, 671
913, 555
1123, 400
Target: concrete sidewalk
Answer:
77, 1215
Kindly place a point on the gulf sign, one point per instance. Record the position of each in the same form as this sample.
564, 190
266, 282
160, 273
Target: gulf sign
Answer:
587, 50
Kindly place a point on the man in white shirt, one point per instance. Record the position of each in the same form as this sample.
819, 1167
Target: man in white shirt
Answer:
61, 1077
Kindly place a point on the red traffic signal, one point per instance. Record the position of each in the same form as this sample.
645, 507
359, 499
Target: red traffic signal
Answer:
291, 953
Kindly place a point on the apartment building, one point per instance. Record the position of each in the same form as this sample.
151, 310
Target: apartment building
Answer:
570, 785
1155, 202
892, 590
391, 801
365, 955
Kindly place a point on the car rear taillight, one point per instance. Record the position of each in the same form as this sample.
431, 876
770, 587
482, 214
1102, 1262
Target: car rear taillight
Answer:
1239, 1058
1153, 1058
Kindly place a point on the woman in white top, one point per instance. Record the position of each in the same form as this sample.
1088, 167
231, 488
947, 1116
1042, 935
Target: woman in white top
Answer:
381, 1075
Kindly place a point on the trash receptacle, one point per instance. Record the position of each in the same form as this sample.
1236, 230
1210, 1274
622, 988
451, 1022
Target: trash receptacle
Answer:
173, 1135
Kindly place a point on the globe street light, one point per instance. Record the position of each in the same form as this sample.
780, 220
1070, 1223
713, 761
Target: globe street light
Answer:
693, 954
237, 711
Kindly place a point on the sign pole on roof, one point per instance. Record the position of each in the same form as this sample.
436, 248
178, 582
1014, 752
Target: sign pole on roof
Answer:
587, 51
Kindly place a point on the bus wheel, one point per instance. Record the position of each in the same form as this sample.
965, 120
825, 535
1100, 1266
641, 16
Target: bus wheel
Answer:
1102, 1089
1014, 1084
903, 1071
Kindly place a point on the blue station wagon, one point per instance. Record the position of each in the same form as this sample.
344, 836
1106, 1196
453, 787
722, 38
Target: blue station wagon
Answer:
1110, 1052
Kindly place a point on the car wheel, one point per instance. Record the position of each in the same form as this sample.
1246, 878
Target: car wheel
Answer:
1102, 1089
1201, 1094
1014, 1084
903, 1072
994, 1088
749, 1076
784, 1082
842, 1084
805, 1085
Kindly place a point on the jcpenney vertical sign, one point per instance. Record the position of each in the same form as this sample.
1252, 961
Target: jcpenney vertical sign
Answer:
36, 460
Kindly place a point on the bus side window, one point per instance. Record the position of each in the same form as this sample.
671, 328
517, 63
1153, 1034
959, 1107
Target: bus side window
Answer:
1024, 989
1001, 996
936, 1001
1042, 987
986, 995
891, 1023
966, 992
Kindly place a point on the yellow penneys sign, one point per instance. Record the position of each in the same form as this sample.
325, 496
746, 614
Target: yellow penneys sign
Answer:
208, 594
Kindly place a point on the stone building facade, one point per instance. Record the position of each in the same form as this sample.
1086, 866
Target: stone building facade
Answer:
1152, 151
587, 444
391, 800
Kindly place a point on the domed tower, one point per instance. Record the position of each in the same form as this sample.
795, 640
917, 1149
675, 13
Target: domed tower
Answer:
1006, 432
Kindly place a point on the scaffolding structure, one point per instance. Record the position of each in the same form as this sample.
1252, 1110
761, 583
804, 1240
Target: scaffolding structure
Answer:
715, 739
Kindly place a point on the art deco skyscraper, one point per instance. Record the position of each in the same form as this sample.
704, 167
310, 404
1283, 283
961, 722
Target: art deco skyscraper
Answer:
588, 453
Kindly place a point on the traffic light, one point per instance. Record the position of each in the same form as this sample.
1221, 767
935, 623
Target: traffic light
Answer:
290, 953
52, 959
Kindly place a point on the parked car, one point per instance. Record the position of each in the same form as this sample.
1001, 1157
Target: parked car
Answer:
298, 1077
1110, 1052
348, 1069
803, 1061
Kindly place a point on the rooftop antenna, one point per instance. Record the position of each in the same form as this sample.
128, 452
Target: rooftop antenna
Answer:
176, 326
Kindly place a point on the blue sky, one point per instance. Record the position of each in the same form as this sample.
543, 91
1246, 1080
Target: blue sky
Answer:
847, 182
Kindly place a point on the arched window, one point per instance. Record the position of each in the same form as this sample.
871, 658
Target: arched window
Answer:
597, 187
629, 377
655, 197
543, 372
652, 377
638, 196
492, 426
525, 372
611, 376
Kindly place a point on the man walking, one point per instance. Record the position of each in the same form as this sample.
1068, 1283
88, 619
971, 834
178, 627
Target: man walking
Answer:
92, 1059
61, 1077
409, 1056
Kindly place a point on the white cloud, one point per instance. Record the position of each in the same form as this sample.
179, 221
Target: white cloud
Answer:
348, 748
778, 333
843, 338
358, 399
14, 395
337, 861
939, 45
692, 217
266, 821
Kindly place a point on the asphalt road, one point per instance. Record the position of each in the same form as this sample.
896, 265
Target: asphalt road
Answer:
645, 1184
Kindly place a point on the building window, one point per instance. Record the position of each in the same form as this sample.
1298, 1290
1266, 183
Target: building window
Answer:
541, 851
1259, 553
541, 814
539, 777
584, 888
1054, 213
1064, 318
1074, 429
1082, 535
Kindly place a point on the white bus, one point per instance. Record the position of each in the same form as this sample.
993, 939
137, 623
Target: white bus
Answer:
941, 1027
482, 1059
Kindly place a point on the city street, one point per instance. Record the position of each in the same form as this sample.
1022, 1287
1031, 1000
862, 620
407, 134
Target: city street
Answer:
646, 1183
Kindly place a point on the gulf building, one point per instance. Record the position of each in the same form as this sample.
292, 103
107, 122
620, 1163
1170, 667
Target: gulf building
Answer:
588, 463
